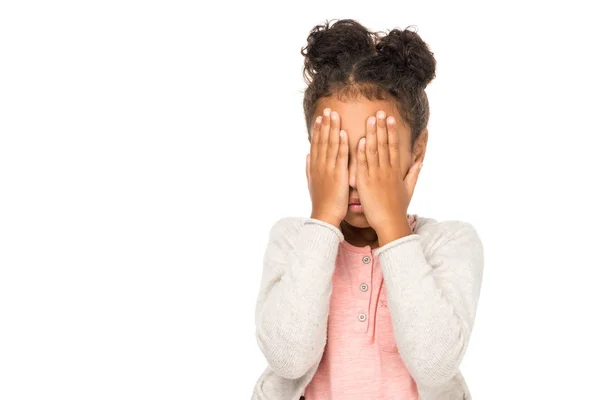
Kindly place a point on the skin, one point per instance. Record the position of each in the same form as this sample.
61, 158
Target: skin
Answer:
381, 171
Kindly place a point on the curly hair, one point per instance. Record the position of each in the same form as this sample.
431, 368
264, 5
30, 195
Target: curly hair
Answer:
347, 60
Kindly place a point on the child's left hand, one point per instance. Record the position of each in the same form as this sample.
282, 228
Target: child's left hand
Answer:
384, 195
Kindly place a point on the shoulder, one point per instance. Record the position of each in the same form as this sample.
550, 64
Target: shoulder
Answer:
287, 226
292, 225
443, 228
286, 230
436, 234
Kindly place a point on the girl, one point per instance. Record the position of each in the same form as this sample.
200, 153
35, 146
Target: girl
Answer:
362, 301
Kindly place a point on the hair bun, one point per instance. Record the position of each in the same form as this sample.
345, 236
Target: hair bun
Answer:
409, 54
336, 46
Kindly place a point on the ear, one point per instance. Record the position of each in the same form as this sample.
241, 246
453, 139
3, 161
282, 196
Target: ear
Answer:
420, 147
308, 169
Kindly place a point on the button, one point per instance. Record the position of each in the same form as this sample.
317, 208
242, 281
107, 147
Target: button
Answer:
364, 287
362, 317
366, 259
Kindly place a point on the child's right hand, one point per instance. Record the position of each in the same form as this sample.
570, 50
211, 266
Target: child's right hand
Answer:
327, 169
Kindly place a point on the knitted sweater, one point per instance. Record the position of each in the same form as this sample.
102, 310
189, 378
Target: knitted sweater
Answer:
433, 279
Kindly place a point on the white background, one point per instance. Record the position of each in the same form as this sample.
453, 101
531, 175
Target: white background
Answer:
146, 149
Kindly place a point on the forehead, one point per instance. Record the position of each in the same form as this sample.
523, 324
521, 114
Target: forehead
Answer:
354, 113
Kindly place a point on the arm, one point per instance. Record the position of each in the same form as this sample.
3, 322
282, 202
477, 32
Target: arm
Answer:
433, 299
293, 303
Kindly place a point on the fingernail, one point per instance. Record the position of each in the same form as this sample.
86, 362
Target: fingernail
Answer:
327, 111
371, 120
333, 116
319, 118
390, 120
380, 114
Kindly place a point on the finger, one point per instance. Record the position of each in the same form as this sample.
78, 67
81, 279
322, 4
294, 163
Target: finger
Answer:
371, 145
342, 157
393, 142
382, 140
316, 133
323, 139
352, 167
334, 140
362, 166
410, 181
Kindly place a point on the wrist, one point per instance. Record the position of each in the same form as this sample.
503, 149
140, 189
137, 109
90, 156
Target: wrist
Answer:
393, 232
325, 218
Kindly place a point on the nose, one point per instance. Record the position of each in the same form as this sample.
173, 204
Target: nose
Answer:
352, 172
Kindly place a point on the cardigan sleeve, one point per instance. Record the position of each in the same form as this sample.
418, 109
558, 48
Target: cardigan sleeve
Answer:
433, 298
295, 291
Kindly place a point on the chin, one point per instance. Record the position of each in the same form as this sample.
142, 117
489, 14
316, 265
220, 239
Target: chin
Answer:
357, 220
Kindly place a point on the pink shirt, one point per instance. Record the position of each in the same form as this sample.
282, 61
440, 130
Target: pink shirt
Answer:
360, 360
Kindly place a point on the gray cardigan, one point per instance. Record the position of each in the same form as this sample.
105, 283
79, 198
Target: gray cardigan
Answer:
433, 279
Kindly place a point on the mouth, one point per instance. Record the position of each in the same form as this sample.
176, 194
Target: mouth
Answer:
354, 205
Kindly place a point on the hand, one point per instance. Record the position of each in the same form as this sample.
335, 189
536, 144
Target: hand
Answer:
384, 194
327, 169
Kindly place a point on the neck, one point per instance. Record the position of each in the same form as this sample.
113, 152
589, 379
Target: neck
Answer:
359, 236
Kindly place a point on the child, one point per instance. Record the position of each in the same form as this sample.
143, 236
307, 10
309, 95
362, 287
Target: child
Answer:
362, 301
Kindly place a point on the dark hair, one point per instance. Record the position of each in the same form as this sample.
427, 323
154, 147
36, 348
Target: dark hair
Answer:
348, 60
